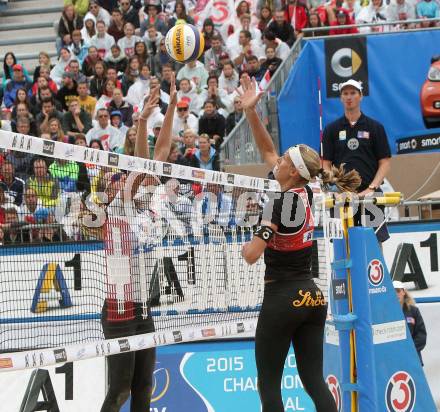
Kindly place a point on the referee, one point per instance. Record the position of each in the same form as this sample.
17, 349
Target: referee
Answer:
294, 309
359, 142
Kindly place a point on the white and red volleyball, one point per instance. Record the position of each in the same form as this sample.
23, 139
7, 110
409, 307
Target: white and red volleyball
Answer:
184, 42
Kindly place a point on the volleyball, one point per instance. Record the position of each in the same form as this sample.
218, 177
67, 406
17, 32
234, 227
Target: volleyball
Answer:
184, 42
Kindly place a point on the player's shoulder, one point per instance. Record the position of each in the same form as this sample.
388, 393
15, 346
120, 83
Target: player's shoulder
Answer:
370, 121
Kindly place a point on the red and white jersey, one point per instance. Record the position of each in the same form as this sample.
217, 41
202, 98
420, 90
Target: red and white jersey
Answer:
302, 237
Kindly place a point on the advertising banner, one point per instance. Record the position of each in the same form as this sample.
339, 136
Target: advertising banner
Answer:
67, 387
399, 73
217, 377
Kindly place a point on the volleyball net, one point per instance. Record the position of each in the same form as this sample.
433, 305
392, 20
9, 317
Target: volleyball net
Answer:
146, 237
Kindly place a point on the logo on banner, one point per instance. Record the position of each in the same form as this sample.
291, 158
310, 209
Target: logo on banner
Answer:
346, 59
177, 334
400, 393
48, 147
60, 355
231, 179
266, 184
167, 169
418, 143
113, 159
207, 333
161, 383
240, 327
198, 174
124, 345
335, 389
339, 287
6, 363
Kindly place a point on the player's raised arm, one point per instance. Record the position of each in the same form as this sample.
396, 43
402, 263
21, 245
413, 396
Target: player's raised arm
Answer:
141, 146
163, 144
249, 99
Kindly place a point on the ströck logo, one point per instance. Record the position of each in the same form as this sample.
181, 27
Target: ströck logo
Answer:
335, 389
400, 393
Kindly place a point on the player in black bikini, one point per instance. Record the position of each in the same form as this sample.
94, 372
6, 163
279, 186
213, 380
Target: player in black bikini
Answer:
294, 309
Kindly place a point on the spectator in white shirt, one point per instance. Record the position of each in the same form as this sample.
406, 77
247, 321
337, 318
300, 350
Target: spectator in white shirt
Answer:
195, 71
102, 40
222, 99
187, 91
247, 47
282, 50
183, 121
30, 205
233, 40
89, 29
128, 42
400, 10
152, 39
98, 13
228, 79
140, 87
106, 96
212, 56
375, 12
109, 136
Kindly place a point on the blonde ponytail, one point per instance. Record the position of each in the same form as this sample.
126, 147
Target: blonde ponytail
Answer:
344, 181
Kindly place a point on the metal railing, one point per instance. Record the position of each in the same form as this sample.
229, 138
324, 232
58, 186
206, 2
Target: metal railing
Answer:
396, 23
239, 146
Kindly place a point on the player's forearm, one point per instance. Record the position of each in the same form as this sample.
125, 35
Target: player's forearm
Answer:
382, 171
141, 148
262, 137
163, 144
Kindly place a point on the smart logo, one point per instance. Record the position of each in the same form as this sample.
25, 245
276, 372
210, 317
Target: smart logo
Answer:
400, 393
345, 59
335, 389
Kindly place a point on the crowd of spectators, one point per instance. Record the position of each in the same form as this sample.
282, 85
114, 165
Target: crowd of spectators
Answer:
112, 52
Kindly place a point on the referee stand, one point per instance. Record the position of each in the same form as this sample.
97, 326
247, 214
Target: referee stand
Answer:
370, 362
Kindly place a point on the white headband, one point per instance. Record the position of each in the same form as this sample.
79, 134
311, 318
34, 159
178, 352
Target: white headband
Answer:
298, 162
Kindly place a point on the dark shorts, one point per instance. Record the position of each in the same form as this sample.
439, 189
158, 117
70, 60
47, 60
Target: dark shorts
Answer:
136, 326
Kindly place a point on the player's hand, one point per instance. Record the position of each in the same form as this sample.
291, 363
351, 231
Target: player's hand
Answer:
173, 91
367, 192
151, 103
249, 96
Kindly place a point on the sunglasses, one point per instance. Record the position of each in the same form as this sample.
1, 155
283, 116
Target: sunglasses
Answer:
102, 115
182, 109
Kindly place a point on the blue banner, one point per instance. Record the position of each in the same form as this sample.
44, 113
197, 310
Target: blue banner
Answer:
393, 69
217, 377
